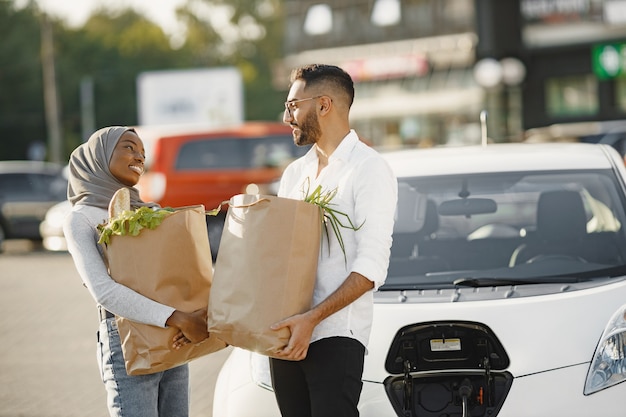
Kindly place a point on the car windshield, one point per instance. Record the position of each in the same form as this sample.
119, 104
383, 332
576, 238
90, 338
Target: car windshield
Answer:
507, 228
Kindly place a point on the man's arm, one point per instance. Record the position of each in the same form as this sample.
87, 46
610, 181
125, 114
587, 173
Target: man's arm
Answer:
302, 325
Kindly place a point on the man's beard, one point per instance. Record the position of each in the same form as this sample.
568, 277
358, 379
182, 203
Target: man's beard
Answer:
309, 130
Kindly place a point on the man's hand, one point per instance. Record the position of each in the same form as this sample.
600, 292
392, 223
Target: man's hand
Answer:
301, 327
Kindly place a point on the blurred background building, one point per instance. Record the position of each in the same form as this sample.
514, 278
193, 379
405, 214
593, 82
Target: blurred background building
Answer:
574, 54
426, 68
412, 63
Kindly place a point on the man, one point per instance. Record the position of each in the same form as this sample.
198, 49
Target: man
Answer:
318, 374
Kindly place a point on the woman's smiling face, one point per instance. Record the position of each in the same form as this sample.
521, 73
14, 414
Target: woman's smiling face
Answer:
127, 161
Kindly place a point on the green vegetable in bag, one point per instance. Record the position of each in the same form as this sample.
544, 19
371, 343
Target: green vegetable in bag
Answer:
131, 222
331, 216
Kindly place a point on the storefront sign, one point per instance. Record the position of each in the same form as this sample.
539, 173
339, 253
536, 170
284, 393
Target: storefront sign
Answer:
559, 11
386, 67
609, 60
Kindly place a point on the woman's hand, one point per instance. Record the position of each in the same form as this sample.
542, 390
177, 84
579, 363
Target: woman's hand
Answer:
179, 340
192, 326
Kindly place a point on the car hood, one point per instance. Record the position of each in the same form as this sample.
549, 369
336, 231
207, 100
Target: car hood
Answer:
538, 333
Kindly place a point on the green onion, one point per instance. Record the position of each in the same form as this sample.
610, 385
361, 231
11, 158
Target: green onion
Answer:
323, 199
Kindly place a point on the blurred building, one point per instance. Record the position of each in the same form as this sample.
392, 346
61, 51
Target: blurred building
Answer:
411, 60
576, 54
425, 69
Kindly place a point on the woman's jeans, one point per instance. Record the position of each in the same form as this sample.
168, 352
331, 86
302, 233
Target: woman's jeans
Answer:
162, 394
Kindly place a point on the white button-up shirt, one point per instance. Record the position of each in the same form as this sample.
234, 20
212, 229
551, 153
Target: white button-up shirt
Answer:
367, 193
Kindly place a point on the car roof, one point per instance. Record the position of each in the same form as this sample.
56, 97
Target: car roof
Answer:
246, 129
12, 167
503, 157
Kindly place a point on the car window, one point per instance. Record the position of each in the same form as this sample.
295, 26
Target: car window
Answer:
237, 153
503, 224
32, 186
15, 185
55, 185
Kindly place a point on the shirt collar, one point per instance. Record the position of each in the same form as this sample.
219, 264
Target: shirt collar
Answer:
341, 153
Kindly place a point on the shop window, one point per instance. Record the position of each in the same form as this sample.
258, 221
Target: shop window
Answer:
421, 14
620, 93
572, 96
457, 14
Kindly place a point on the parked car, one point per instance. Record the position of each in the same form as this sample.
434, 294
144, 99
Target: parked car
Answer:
27, 190
506, 290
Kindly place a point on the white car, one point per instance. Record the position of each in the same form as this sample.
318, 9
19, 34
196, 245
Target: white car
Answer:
506, 292
51, 228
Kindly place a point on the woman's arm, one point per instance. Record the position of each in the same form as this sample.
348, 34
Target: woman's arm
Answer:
81, 234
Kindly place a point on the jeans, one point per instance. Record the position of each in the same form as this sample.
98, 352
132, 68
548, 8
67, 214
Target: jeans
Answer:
162, 394
327, 383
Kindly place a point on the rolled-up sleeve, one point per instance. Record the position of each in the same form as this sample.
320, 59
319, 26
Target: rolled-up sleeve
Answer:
375, 196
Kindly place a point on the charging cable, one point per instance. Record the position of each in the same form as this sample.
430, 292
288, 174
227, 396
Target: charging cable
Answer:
465, 390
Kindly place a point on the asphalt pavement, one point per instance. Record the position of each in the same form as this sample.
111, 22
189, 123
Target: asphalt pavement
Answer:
48, 324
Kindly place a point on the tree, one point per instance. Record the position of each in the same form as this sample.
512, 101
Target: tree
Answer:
244, 33
22, 119
112, 49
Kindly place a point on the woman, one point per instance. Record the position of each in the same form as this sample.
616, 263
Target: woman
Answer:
113, 158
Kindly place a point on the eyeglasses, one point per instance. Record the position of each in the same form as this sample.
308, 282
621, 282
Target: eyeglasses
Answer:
290, 106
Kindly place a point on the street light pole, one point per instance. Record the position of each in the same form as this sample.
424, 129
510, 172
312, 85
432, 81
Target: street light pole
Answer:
51, 101
87, 107
501, 80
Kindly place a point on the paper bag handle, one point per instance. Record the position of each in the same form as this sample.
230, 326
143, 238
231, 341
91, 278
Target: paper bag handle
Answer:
218, 208
254, 203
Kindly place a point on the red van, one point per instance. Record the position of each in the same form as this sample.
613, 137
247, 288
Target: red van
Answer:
189, 165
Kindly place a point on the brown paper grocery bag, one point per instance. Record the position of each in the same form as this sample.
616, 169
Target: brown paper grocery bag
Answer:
171, 264
265, 270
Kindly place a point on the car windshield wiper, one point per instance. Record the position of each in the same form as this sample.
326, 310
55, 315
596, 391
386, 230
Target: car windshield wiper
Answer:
495, 282
502, 278
567, 278
611, 272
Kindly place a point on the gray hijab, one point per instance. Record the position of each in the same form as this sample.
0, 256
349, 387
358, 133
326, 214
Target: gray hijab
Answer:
90, 180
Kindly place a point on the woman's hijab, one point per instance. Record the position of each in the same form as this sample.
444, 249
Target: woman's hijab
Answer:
90, 180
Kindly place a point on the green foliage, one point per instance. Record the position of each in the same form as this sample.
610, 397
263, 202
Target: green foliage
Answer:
22, 119
330, 216
112, 49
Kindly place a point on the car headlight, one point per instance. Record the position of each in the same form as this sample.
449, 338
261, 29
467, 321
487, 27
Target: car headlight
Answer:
608, 366
260, 370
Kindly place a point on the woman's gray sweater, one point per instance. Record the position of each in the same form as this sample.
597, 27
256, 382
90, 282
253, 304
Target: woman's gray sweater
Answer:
82, 241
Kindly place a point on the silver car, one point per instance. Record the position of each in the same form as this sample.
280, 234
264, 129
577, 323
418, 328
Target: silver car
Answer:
27, 190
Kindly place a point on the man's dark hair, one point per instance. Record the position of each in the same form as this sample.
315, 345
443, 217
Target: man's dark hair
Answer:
321, 75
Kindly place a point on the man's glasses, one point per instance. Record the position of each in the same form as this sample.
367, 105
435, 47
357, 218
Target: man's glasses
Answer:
290, 106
